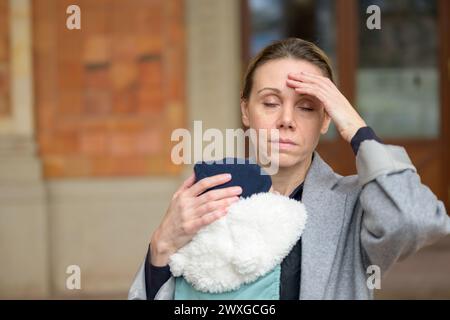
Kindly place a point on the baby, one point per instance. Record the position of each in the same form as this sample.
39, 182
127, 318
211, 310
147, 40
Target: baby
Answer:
239, 255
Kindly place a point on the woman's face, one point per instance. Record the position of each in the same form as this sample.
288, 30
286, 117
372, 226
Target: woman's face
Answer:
300, 119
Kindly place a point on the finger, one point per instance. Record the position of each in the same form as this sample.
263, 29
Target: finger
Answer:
207, 219
307, 75
212, 206
207, 183
311, 78
218, 194
312, 91
186, 184
298, 77
296, 83
312, 86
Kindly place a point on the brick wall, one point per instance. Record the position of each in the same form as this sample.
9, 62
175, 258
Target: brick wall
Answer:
4, 59
109, 95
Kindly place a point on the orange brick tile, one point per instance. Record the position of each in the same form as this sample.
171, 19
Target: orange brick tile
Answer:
172, 168
93, 143
4, 45
69, 103
123, 18
45, 116
122, 144
130, 166
97, 102
95, 124
97, 76
156, 164
131, 124
150, 100
123, 46
149, 142
176, 88
4, 106
77, 166
148, 44
97, 16
97, 49
70, 76
44, 144
124, 101
174, 113
150, 18
123, 74
102, 166
53, 166
150, 73
59, 143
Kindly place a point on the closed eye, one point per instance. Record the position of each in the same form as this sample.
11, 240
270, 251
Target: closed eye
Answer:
270, 105
306, 105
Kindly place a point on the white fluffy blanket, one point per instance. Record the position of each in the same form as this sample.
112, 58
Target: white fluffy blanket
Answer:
255, 236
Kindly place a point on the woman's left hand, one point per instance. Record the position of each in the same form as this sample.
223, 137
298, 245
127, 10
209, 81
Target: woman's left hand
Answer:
344, 116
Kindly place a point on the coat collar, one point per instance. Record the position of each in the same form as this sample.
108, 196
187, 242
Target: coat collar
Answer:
326, 209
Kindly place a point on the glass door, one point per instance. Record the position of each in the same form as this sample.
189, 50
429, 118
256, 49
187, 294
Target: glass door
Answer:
399, 80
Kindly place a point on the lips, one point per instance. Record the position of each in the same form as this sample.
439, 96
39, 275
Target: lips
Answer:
284, 141
287, 141
284, 144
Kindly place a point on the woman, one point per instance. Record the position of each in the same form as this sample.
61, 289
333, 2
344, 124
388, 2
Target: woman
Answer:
375, 218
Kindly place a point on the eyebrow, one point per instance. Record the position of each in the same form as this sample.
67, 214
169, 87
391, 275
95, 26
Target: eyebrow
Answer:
302, 96
272, 89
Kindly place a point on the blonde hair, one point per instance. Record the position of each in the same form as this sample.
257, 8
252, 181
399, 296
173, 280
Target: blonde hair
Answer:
288, 48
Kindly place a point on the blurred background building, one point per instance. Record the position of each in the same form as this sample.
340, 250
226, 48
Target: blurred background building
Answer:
86, 118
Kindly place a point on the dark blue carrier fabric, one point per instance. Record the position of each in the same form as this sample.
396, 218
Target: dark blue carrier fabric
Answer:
243, 173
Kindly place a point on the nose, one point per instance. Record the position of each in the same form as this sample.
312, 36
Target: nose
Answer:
286, 118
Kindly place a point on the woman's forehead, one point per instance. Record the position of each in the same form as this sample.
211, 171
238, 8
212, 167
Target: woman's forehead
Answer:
275, 72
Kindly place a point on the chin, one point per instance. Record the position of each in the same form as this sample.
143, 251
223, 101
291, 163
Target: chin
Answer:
288, 160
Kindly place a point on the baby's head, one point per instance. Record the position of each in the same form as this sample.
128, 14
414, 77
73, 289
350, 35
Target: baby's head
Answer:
243, 173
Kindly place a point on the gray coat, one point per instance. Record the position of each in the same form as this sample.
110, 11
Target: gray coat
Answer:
377, 217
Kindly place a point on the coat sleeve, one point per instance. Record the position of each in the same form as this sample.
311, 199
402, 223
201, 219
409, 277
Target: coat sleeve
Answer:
400, 214
138, 288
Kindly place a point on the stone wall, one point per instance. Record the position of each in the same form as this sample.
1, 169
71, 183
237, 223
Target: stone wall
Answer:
57, 210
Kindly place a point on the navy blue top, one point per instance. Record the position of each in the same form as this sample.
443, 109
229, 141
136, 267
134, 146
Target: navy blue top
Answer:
155, 277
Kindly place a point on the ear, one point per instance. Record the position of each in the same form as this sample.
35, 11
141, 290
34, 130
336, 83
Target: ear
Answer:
244, 113
325, 123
